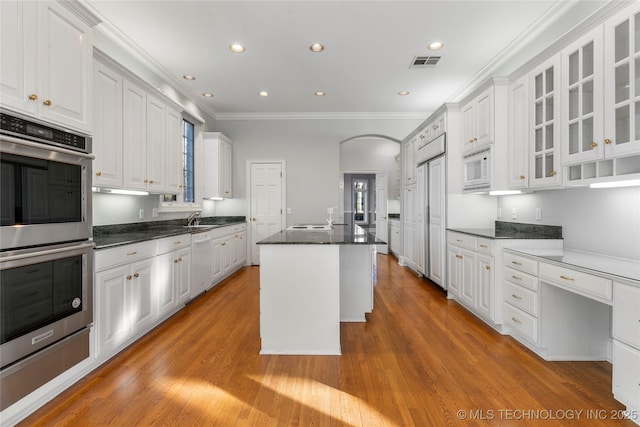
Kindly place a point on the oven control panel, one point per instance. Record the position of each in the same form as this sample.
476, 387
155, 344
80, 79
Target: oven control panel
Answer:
28, 129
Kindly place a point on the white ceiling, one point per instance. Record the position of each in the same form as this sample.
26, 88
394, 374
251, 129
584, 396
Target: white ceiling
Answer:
369, 47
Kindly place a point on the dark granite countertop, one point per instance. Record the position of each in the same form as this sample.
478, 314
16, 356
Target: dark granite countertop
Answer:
514, 230
339, 235
108, 236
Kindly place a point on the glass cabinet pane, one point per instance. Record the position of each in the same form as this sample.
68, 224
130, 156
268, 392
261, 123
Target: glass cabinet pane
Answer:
538, 86
548, 165
549, 109
548, 137
587, 60
538, 142
573, 138
573, 103
637, 77
548, 75
622, 41
587, 134
636, 32
587, 97
539, 110
538, 166
622, 83
623, 126
574, 69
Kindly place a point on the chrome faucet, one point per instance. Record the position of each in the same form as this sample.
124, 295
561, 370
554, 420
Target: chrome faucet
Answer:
193, 219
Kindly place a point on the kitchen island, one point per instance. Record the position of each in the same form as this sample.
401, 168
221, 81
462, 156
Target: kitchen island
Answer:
310, 281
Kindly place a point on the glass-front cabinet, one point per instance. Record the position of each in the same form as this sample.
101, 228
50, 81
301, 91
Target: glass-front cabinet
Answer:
545, 152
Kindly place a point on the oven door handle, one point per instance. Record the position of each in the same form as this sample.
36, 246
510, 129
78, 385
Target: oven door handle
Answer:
39, 146
54, 251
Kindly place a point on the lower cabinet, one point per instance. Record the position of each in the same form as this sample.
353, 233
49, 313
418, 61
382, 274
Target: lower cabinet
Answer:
173, 273
626, 345
394, 237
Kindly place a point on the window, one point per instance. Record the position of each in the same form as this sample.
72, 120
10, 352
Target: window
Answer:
186, 200
360, 201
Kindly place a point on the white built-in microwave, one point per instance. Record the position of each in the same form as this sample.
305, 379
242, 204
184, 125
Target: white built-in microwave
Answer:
476, 170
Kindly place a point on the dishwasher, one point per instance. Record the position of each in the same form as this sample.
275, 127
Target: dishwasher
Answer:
201, 262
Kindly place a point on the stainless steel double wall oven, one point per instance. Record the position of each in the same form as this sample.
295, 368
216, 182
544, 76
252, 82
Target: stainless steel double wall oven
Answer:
46, 259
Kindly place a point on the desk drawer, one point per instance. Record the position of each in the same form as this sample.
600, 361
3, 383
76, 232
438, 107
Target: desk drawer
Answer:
581, 283
463, 240
520, 263
521, 278
485, 246
524, 324
522, 298
626, 314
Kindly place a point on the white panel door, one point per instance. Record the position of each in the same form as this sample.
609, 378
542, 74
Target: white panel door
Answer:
436, 212
266, 204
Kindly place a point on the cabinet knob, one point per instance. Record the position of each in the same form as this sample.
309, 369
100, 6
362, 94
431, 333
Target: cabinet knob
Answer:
594, 144
553, 173
136, 275
475, 139
180, 186
471, 140
522, 176
487, 267
33, 97
151, 181
253, 219
146, 181
47, 102
607, 141
129, 277
98, 173
175, 261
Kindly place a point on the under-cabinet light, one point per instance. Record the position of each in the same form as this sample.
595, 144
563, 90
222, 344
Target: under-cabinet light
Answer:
616, 184
216, 198
119, 191
504, 192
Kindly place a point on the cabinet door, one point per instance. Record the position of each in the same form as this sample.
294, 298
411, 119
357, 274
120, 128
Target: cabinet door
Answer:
582, 99
545, 125
410, 242
165, 282
454, 271
626, 316
484, 119
18, 56
437, 214
218, 248
622, 83
65, 51
183, 275
485, 285
518, 143
134, 121
227, 255
112, 308
409, 160
410, 202
626, 373
241, 248
174, 150
468, 127
142, 295
107, 128
467, 272
155, 144
225, 169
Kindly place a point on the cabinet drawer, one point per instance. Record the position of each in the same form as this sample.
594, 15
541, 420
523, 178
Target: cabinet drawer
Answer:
520, 263
523, 298
626, 315
581, 283
485, 246
524, 324
169, 244
626, 373
106, 258
462, 240
521, 278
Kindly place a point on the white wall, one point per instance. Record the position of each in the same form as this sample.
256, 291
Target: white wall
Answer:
311, 149
604, 221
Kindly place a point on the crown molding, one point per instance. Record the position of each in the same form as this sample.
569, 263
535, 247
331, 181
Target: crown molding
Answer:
323, 116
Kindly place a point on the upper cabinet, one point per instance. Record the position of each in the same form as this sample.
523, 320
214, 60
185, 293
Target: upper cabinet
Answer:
217, 166
409, 147
544, 125
518, 147
477, 121
137, 139
46, 66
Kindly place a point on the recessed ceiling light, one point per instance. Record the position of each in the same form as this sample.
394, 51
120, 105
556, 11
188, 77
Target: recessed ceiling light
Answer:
264, 93
320, 93
189, 77
207, 94
436, 45
403, 93
236, 48
316, 47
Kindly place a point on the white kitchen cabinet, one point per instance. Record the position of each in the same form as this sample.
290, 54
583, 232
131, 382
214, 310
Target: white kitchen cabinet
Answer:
107, 130
626, 344
125, 304
173, 273
518, 142
478, 121
420, 213
174, 149
156, 131
46, 68
134, 110
201, 262
436, 127
410, 229
454, 271
395, 239
409, 147
218, 166
545, 164
484, 285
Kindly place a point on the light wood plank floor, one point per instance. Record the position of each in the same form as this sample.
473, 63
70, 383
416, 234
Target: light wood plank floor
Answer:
420, 360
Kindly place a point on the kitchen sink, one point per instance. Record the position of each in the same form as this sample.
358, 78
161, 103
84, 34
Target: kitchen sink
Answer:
309, 227
201, 226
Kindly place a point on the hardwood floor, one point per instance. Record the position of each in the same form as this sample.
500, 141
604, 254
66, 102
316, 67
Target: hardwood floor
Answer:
420, 360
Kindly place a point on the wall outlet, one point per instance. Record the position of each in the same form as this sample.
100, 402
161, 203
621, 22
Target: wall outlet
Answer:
154, 212
538, 214
514, 213
288, 211
141, 214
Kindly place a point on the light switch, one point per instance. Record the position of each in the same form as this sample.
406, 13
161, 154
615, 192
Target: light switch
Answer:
141, 214
288, 211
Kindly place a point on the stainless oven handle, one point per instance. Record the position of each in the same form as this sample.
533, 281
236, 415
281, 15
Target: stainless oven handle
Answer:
58, 250
27, 143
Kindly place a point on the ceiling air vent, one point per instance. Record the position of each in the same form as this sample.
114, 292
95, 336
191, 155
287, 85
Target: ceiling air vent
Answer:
424, 61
